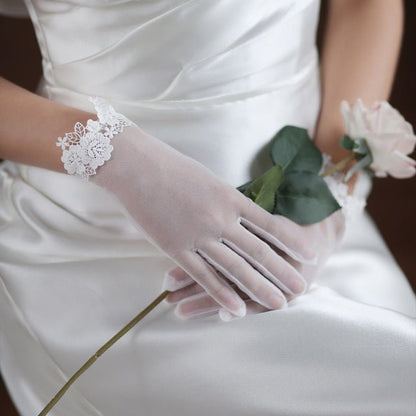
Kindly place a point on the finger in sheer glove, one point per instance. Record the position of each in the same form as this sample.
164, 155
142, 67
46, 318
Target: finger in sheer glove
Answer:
192, 301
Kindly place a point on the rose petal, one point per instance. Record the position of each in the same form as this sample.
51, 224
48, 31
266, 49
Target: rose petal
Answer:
406, 144
404, 168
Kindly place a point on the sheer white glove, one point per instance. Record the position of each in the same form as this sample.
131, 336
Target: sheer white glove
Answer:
206, 226
322, 238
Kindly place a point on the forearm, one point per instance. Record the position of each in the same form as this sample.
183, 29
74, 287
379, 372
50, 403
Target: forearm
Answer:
30, 125
359, 57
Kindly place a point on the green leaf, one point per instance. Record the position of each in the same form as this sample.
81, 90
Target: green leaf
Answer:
293, 149
263, 189
243, 187
305, 198
346, 142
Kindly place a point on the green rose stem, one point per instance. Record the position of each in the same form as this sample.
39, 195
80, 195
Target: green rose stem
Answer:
339, 166
102, 350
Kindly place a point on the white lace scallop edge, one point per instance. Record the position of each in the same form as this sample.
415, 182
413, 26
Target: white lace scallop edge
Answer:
352, 205
88, 147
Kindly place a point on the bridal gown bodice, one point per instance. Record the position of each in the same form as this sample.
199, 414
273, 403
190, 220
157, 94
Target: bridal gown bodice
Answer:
176, 67
215, 79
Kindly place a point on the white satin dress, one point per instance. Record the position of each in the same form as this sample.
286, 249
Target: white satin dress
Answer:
215, 79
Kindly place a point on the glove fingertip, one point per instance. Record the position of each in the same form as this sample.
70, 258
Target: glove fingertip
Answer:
226, 316
179, 314
171, 284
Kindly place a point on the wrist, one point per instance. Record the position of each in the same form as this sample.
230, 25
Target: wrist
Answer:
327, 141
88, 145
127, 156
62, 123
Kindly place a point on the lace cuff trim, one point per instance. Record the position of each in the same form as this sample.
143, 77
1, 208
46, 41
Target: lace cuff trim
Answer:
352, 205
87, 148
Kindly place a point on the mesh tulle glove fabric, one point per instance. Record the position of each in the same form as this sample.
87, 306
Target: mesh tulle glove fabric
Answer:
203, 224
199, 221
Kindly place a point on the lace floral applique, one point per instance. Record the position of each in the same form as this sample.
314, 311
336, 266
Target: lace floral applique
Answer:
87, 148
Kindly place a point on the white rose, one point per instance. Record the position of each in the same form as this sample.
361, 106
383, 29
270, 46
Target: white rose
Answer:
389, 136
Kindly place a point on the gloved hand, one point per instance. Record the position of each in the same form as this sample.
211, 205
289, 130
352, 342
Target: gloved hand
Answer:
322, 238
206, 226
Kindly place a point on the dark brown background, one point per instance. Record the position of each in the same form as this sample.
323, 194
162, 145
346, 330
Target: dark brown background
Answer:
392, 203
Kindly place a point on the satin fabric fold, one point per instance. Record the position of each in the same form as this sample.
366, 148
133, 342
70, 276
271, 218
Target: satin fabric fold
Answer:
214, 79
